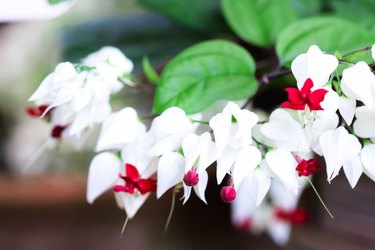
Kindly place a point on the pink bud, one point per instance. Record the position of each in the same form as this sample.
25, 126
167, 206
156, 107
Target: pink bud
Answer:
228, 194
191, 178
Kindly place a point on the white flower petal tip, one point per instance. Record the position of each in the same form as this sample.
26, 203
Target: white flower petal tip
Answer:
119, 129
103, 174
347, 109
353, 170
132, 203
368, 159
338, 146
315, 65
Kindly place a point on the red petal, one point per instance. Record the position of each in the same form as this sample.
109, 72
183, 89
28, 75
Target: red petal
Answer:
306, 89
131, 172
315, 98
146, 185
295, 100
289, 105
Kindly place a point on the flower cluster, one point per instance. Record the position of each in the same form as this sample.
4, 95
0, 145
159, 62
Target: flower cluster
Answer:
264, 165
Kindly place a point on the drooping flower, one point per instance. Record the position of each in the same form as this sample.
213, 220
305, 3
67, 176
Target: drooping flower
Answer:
118, 129
314, 65
199, 153
233, 138
300, 99
338, 146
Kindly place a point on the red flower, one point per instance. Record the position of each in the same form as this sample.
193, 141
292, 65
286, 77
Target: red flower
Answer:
57, 131
298, 99
228, 194
134, 181
297, 216
306, 168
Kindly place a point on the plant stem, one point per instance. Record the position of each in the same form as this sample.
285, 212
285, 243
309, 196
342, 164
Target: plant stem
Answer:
356, 50
320, 199
170, 211
274, 74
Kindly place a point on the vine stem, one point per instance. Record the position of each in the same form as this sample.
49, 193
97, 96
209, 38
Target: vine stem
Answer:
320, 198
170, 211
356, 50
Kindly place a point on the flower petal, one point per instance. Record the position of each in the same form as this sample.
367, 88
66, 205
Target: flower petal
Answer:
103, 173
364, 125
170, 172
247, 160
368, 158
353, 169
200, 188
347, 109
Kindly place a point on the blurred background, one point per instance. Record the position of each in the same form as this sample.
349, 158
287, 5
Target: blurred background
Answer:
47, 209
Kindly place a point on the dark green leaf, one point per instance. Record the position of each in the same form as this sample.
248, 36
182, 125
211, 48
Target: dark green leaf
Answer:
149, 71
258, 21
306, 7
331, 34
136, 36
207, 72
203, 15
360, 11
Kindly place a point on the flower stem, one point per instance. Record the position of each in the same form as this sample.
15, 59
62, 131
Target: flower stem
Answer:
356, 50
170, 211
124, 226
320, 199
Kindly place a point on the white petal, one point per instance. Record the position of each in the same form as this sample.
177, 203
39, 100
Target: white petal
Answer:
358, 82
200, 188
170, 172
283, 131
257, 183
225, 163
118, 129
283, 165
315, 65
280, 232
373, 52
247, 160
187, 192
353, 170
338, 146
364, 125
368, 158
284, 198
221, 124
208, 152
132, 203
347, 109
103, 173
331, 101
190, 147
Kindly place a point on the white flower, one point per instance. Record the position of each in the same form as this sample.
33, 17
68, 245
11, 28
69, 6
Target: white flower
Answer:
358, 82
111, 64
233, 127
347, 109
199, 152
168, 130
338, 146
315, 65
120, 128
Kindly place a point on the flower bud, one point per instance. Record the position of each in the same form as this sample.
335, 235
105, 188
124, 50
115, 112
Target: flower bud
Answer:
191, 178
228, 194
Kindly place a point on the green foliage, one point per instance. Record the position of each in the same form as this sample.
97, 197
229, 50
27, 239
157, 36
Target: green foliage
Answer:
331, 34
52, 2
258, 21
209, 71
360, 11
307, 7
149, 71
136, 36
203, 15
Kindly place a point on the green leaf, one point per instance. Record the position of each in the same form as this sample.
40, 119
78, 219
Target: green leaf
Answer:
149, 71
307, 7
204, 73
331, 34
204, 15
258, 21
